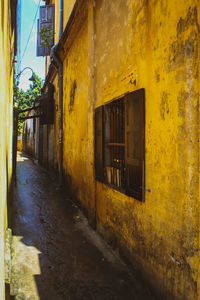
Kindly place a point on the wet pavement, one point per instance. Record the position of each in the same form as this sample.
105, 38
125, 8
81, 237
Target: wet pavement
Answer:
55, 254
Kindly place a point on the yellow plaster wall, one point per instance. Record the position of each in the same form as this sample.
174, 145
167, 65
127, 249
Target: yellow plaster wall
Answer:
77, 123
67, 8
56, 123
19, 145
155, 43
57, 9
198, 285
6, 77
48, 60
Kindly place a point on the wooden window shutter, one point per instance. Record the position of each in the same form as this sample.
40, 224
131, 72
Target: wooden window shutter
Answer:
46, 20
40, 48
135, 144
99, 168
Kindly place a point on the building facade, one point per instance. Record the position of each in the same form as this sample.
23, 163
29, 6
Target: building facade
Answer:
7, 52
30, 134
126, 130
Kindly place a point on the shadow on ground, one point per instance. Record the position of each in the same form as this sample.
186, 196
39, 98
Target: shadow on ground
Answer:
54, 252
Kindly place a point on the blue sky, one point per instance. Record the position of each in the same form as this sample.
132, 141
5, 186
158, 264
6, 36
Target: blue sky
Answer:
29, 8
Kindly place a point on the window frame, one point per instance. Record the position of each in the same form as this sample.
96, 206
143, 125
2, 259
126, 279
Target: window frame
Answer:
46, 20
139, 97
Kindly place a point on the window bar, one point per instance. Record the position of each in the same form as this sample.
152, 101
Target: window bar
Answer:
118, 148
120, 140
115, 157
113, 146
112, 140
115, 113
123, 150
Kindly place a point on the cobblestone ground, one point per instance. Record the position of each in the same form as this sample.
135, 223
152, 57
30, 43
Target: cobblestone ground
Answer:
55, 254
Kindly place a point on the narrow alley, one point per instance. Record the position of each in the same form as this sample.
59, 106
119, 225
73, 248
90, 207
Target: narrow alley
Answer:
55, 254
99, 150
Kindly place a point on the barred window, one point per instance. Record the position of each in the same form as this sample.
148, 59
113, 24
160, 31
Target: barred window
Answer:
120, 144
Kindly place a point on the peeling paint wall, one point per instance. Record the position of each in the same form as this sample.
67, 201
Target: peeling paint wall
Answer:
6, 123
77, 124
155, 43
55, 126
121, 47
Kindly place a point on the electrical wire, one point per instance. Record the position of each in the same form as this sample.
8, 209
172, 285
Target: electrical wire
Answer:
31, 30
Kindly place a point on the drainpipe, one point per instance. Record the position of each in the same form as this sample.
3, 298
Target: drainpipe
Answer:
59, 63
61, 19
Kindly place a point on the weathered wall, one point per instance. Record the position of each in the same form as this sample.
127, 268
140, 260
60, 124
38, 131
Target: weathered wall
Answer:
37, 124
67, 8
50, 156
19, 143
30, 133
45, 146
56, 125
56, 3
131, 45
156, 44
57, 9
6, 113
77, 123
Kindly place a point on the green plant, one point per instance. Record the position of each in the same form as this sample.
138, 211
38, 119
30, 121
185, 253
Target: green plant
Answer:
46, 36
26, 99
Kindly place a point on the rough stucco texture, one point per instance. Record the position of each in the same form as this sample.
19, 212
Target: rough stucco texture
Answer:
78, 119
6, 73
156, 44
152, 45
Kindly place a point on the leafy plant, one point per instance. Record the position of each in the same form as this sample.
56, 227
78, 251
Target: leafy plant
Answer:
46, 36
25, 99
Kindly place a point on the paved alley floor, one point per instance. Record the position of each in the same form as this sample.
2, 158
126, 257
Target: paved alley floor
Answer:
55, 254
